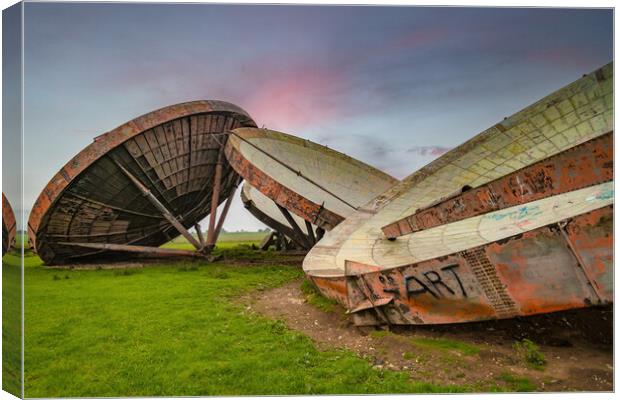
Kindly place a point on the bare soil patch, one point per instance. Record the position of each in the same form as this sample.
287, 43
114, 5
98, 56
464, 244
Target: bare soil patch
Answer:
577, 345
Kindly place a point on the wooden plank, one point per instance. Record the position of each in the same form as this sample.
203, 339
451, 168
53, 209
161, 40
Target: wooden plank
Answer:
211, 235
299, 235
167, 214
135, 249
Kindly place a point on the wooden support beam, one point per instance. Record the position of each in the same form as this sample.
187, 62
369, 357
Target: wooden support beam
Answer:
201, 238
268, 241
124, 210
136, 249
164, 211
310, 234
300, 236
215, 198
222, 218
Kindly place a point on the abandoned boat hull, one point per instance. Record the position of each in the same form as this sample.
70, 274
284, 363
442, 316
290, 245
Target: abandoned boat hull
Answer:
456, 205
557, 267
141, 184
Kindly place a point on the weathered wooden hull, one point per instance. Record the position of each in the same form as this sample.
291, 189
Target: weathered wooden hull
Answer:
115, 189
9, 227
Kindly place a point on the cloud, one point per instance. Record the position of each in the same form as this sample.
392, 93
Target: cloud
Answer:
296, 96
432, 151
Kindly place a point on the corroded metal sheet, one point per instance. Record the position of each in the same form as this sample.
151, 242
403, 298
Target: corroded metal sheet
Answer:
266, 211
99, 196
569, 117
530, 273
584, 165
9, 227
316, 183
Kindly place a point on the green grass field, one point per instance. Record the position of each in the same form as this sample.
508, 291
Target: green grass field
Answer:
11, 323
225, 240
177, 329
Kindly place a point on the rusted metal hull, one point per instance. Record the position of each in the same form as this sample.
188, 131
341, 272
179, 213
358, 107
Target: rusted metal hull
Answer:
584, 165
141, 184
314, 182
9, 227
561, 120
557, 267
516, 221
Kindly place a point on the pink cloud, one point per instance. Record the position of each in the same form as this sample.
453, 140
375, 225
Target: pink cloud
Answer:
282, 94
295, 97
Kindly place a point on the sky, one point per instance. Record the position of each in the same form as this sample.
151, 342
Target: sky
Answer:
394, 87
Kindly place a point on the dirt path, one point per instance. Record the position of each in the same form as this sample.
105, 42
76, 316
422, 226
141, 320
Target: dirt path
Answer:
576, 345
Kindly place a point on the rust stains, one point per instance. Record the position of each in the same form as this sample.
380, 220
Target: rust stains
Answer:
584, 165
531, 273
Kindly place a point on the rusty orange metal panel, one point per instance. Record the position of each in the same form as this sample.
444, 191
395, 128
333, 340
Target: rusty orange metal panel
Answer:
333, 288
443, 290
281, 194
539, 272
531, 273
592, 237
584, 165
